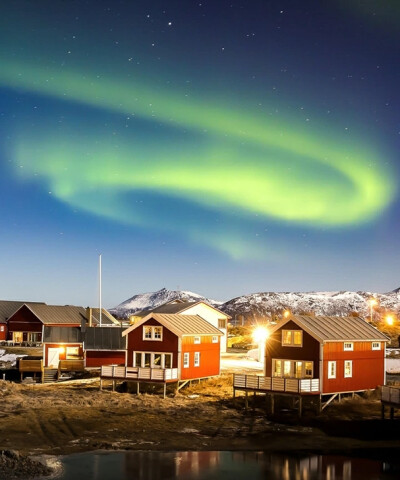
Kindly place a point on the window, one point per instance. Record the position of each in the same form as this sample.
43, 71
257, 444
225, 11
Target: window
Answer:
292, 338
331, 369
2, 328
152, 360
197, 340
186, 360
348, 368
348, 346
18, 337
196, 359
376, 345
72, 353
152, 333
292, 368
215, 339
221, 323
33, 337
277, 368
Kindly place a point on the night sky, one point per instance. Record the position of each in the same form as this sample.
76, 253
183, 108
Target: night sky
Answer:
223, 147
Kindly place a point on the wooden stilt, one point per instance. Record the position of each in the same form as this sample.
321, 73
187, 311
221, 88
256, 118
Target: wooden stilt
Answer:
165, 390
113, 385
246, 400
101, 383
138, 388
300, 406
272, 404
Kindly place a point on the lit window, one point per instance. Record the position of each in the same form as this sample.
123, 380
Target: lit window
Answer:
277, 368
215, 339
196, 359
152, 360
348, 368
376, 345
197, 339
292, 338
287, 368
186, 360
348, 346
308, 369
298, 369
152, 333
2, 328
331, 369
72, 353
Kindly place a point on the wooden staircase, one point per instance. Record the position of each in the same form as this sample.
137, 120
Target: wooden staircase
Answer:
50, 375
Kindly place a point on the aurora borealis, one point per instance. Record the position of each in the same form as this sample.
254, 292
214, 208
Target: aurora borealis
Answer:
134, 133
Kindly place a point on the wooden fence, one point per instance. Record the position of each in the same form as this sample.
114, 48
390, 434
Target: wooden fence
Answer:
139, 373
275, 384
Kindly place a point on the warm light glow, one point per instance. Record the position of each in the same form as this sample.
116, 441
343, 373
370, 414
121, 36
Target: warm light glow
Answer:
286, 313
260, 334
372, 302
61, 350
389, 319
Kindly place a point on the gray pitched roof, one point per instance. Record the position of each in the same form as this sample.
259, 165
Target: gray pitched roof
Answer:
106, 317
58, 314
104, 338
333, 329
9, 307
181, 325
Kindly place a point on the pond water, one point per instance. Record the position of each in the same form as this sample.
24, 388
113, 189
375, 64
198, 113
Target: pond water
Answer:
222, 466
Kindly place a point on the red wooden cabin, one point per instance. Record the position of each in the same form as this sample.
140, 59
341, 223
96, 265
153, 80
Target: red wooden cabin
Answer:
345, 354
187, 343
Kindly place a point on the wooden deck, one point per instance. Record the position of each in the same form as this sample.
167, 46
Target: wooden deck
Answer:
390, 397
163, 375
256, 383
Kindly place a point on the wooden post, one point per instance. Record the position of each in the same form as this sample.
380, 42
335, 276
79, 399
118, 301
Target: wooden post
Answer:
165, 389
272, 404
138, 388
300, 406
246, 400
101, 383
113, 385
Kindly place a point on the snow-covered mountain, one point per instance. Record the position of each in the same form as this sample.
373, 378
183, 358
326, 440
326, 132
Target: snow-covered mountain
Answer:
259, 305
150, 300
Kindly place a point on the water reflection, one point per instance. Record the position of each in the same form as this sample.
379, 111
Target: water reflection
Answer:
222, 465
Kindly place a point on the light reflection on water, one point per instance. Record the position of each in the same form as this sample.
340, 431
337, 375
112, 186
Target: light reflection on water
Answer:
222, 466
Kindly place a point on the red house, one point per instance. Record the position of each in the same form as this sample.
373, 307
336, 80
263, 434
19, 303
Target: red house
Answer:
7, 309
186, 343
345, 354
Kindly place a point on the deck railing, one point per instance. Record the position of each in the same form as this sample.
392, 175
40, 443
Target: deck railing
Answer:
391, 394
139, 373
275, 384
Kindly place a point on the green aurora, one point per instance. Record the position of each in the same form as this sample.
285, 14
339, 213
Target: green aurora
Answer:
246, 162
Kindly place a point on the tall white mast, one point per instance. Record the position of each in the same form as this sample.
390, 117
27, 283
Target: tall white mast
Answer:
100, 286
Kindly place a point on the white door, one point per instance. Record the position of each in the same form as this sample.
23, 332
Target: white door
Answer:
53, 354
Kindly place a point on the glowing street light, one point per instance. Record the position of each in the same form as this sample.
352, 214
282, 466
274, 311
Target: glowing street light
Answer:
372, 302
389, 319
260, 335
286, 313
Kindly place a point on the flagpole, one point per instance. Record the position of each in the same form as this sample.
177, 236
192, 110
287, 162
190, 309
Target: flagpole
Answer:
100, 286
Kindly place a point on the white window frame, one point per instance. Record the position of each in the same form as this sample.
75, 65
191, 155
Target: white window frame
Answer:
152, 354
292, 344
1, 328
215, 339
186, 360
348, 346
197, 359
72, 352
280, 363
350, 363
152, 329
197, 340
331, 363
376, 346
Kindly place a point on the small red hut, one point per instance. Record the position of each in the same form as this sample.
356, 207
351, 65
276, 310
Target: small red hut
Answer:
187, 343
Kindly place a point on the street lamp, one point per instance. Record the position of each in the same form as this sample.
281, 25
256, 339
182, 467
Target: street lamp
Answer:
260, 335
286, 313
389, 320
372, 302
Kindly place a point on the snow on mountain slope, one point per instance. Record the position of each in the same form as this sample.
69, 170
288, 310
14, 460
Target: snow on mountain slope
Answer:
321, 303
150, 300
258, 305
